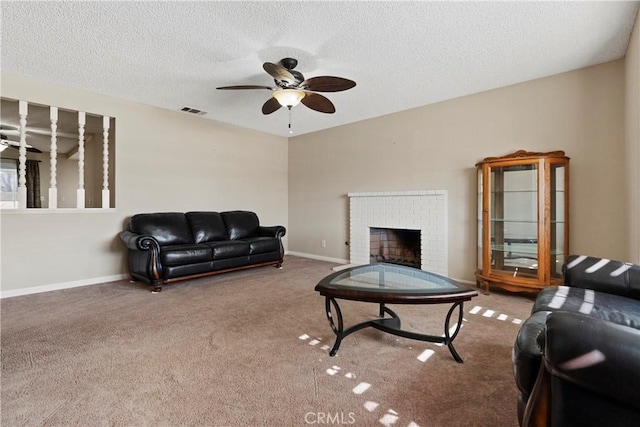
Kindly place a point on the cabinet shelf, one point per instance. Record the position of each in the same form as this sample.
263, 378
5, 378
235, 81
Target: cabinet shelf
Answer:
523, 220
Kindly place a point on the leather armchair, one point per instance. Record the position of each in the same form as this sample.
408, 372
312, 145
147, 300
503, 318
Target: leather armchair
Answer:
577, 358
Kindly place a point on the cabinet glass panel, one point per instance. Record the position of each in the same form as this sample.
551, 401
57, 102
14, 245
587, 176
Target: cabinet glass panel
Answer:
513, 218
557, 219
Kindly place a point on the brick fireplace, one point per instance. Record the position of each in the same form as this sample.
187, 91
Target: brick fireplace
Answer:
422, 211
395, 246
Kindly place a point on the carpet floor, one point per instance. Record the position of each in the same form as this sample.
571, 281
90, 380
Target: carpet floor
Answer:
248, 348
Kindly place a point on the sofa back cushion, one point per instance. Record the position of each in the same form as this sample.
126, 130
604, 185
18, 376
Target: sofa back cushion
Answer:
604, 275
168, 228
241, 224
206, 226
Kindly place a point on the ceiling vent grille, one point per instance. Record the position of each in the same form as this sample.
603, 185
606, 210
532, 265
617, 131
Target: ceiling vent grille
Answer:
195, 111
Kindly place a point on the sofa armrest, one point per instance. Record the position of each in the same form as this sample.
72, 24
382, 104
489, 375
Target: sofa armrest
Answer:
596, 355
274, 231
144, 257
139, 242
603, 275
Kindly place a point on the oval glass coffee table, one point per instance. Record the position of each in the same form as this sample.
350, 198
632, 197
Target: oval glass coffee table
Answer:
393, 284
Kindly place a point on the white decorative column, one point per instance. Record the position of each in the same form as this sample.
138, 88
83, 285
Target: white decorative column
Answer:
53, 190
23, 107
105, 162
80, 191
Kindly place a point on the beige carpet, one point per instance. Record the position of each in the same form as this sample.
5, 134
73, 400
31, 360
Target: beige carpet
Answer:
248, 349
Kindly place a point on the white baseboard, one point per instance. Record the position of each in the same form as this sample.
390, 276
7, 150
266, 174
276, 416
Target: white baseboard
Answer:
318, 257
59, 286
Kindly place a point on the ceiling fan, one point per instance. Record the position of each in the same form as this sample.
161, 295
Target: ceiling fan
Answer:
6, 143
7, 129
292, 88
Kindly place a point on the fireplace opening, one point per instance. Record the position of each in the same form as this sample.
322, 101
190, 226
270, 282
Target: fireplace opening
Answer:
395, 246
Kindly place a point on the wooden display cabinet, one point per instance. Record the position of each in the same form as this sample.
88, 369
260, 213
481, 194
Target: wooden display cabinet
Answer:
523, 220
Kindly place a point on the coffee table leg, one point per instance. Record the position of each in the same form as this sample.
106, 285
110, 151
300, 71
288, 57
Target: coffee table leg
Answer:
384, 309
336, 329
447, 336
339, 328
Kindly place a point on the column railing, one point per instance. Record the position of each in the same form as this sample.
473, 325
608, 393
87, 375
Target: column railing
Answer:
53, 183
54, 125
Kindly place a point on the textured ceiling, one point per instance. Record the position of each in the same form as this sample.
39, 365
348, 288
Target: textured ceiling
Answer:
401, 54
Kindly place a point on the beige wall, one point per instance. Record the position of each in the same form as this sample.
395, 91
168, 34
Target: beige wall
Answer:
215, 166
437, 146
632, 140
165, 161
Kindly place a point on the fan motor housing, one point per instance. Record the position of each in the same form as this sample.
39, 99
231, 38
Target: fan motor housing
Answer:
289, 63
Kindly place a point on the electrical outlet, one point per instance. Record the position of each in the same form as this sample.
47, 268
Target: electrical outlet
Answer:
324, 243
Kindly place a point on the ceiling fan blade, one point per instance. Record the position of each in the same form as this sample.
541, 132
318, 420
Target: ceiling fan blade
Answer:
9, 131
16, 145
327, 84
15, 131
244, 87
270, 106
317, 102
278, 72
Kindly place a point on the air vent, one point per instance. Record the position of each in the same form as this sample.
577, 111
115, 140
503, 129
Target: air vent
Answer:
193, 111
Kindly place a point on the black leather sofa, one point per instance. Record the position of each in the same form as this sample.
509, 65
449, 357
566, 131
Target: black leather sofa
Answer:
170, 246
577, 357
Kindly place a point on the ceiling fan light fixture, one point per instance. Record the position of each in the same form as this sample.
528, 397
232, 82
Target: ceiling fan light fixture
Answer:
288, 97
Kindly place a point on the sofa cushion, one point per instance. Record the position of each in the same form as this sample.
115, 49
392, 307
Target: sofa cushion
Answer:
600, 305
185, 254
229, 249
261, 245
604, 275
206, 226
169, 228
241, 224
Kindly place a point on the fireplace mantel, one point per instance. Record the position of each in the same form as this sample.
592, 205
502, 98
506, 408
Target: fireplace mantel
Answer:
424, 210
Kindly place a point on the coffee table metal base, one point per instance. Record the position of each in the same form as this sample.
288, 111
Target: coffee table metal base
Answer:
392, 325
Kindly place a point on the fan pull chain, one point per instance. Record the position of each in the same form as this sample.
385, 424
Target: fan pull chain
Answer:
290, 130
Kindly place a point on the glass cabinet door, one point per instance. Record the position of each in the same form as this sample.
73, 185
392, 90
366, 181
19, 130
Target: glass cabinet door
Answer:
479, 251
558, 219
513, 220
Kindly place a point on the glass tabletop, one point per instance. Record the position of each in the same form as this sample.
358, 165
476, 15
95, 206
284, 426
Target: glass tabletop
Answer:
392, 278
393, 284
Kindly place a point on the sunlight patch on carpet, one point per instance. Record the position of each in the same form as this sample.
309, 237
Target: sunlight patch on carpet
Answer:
361, 388
371, 406
488, 313
389, 418
333, 370
425, 355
